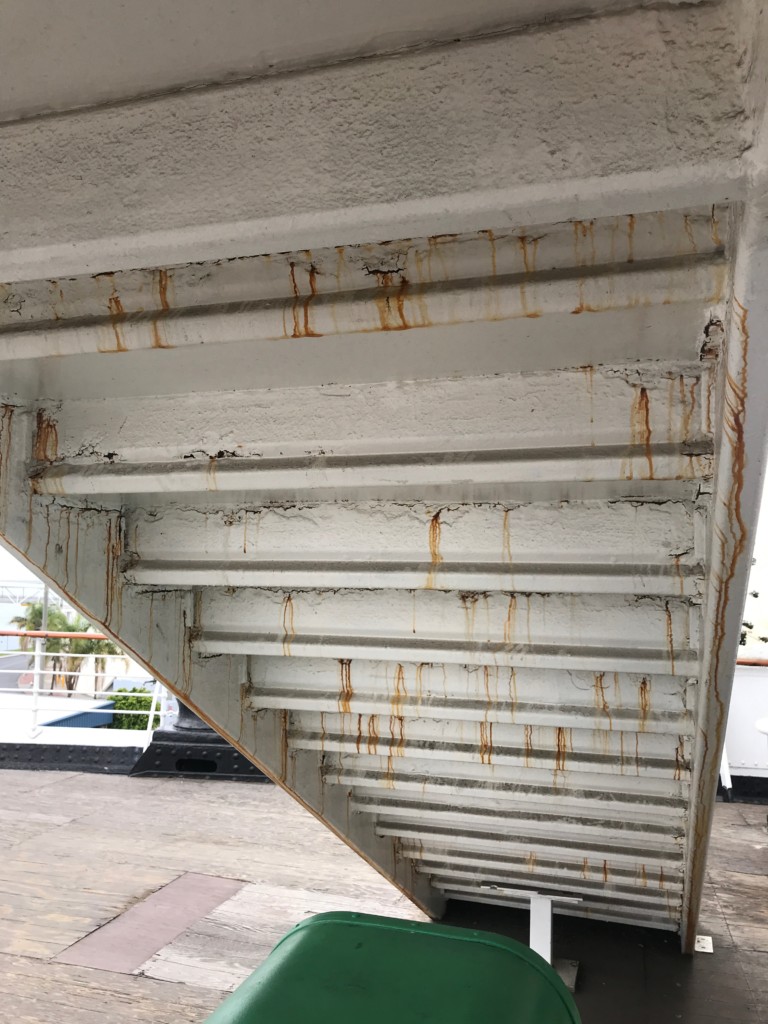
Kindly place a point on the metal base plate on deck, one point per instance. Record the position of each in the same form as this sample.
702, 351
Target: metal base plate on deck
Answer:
199, 754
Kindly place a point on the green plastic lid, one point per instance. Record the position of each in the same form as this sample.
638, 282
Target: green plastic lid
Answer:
343, 968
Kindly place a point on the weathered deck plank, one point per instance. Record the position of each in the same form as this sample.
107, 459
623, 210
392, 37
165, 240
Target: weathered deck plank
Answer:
84, 848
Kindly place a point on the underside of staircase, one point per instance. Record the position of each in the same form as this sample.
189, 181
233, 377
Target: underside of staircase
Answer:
449, 534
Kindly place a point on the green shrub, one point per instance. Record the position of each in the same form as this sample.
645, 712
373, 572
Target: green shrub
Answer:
131, 700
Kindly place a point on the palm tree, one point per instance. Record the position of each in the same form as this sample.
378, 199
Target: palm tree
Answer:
62, 671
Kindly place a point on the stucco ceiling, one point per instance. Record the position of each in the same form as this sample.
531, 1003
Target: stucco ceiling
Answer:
88, 52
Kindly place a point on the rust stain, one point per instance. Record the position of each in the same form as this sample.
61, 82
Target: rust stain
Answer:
631, 238
487, 686
688, 227
732, 541
401, 736
434, 538
561, 748
584, 230
46, 443
585, 868
643, 876
400, 691
513, 690
283, 745
662, 882
391, 319
640, 428
289, 630
158, 341
113, 590
531, 859
434, 546
510, 627
486, 742
528, 250
300, 307
210, 474
506, 540
680, 765
645, 702
372, 745
116, 314
346, 692
601, 701
492, 242
687, 406
359, 739
312, 274
714, 229
419, 682
6, 433
670, 636
528, 741
469, 603
162, 288
605, 872
679, 574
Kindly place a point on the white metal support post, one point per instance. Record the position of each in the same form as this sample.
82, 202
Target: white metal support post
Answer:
38, 668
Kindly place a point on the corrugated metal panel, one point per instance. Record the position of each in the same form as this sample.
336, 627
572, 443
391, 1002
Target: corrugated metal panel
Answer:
443, 508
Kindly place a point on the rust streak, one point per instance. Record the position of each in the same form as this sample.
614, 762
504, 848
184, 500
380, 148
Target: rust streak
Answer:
510, 627
561, 749
645, 702
631, 238
289, 630
372, 745
601, 701
162, 288
670, 636
346, 693
46, 443
116, 314
689, 232
486, 742
640, 427
506, 540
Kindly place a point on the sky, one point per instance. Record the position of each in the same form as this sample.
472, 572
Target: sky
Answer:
11, 570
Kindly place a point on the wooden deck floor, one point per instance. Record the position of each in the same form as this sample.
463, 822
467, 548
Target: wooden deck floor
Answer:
76, 851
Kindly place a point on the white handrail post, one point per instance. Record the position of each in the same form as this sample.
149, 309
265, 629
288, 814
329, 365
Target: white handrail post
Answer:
38, 664
152, 708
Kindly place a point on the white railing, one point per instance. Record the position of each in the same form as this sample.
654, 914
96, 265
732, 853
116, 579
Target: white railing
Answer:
48, 684
21, 591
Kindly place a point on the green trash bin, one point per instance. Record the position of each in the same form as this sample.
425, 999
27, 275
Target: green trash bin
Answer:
356, 969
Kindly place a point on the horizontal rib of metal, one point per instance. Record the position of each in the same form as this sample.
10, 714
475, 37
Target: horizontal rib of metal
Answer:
571, 876
397, 649
607, 855
609, 910
560, 749
580, 532
483, 708
358, 474
419, 773
670, 402
560, 796
573, 579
